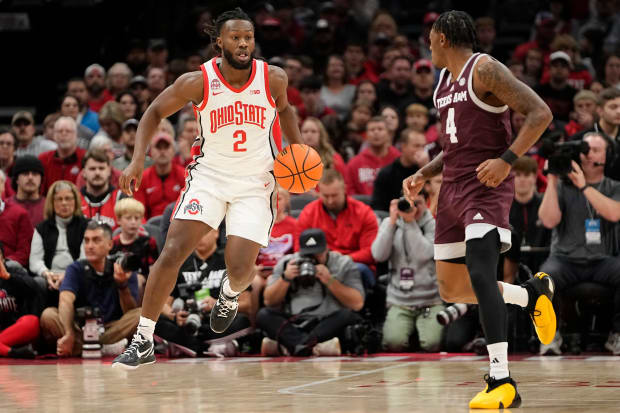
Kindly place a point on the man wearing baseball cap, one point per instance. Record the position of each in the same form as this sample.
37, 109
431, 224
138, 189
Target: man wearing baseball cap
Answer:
321, 290
558, 94
23, 127
26, 181
162, 182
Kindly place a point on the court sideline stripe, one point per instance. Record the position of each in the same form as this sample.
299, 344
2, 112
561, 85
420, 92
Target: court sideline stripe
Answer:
292, 389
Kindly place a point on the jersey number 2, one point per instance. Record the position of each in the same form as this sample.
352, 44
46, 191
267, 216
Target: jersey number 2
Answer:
240, 134
451, 126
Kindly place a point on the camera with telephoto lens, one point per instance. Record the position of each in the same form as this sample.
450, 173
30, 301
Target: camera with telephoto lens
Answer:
561, 154
127, 260
404, 205
451, 314
92, 328
307, 271
187, 301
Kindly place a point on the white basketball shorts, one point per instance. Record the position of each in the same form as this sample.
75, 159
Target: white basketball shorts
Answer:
249, 203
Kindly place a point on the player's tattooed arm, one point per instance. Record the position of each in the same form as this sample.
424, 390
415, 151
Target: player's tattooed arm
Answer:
433, 168
495, 79
278, 83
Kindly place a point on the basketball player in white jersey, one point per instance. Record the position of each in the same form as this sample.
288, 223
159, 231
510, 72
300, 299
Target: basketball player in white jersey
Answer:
240, 103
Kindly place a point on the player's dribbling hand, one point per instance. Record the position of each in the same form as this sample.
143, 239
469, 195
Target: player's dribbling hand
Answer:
131, 174
492, 172
413, 185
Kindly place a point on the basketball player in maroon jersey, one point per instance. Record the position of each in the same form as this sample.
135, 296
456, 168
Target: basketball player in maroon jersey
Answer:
238, 100
473, 96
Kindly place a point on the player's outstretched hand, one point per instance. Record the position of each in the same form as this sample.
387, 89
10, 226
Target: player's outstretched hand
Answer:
131, 174
492, 172
413, 185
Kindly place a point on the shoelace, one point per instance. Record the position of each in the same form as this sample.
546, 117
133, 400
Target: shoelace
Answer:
136, 341
226, 305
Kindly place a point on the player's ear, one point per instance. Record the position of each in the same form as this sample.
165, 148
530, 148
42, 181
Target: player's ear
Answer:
218, 41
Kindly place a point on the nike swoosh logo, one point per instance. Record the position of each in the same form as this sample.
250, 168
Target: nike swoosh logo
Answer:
215, 94
146, 353
267, 184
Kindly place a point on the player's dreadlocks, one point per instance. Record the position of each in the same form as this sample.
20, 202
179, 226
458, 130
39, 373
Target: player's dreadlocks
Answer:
458, 27
213, 30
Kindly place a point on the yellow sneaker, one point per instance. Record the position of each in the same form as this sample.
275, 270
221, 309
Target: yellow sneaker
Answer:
540, 290
498, 394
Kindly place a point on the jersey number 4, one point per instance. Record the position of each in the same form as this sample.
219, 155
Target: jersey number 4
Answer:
451, 126
240, 134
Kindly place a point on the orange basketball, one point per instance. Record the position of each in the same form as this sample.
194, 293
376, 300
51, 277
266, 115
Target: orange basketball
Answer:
298, 168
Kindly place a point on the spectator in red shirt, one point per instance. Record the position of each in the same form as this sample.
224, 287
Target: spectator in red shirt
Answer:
363, 168
545, 33
27, 177
313, 105
15, 228
579, 77
585, 103
350, 226
162, 182
98, 95
98, 196
357, 66
65, 162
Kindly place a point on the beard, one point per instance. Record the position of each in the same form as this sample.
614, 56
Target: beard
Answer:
95, 88
235, 63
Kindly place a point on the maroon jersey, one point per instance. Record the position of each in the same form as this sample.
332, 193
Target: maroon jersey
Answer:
471, 130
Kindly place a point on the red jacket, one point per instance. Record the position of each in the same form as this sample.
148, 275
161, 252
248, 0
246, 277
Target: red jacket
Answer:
367, 73
16, 232
363, 168
56, 169
351, 233
96, 105
101, 209
155, 194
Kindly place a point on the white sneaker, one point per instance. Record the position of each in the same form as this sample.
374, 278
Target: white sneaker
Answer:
271, 348
613, 343
553, 348
228, 349
327, 348
114, 349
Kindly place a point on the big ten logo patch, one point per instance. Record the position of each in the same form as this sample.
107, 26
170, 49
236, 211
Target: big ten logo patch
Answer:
215, 84
255, 92
193, 207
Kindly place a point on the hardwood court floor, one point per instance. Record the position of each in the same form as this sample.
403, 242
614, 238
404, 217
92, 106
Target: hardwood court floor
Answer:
385, 383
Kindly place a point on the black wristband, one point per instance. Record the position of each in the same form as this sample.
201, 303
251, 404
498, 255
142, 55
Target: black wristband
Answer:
583, 188
285, 279
509, 157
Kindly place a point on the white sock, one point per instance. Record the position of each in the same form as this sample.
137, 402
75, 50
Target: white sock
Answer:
515, 294
146, 327
498, 356
229, 292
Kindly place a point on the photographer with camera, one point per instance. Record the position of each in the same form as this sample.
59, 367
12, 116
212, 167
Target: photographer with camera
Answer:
311, 297
406, 238
583, 209
184, 318
101, 284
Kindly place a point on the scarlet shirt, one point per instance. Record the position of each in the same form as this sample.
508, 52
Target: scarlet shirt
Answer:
351, 232
156, 193
362, 170
96, 105
15, 232
101, 208
57, 169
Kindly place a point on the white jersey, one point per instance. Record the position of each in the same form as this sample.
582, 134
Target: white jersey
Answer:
239, 128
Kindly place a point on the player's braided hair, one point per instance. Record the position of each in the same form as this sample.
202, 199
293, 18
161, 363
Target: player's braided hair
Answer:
458, 27
213, 30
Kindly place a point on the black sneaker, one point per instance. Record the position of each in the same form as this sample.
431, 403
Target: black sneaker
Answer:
540, 290
139, 352
24, 352
224, 311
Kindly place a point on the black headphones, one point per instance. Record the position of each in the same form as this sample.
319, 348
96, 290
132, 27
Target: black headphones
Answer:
610, 152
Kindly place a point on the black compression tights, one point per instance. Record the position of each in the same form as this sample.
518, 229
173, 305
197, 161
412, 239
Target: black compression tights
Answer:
481, 257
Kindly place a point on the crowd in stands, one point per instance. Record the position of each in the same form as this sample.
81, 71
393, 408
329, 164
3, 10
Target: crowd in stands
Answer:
346, 263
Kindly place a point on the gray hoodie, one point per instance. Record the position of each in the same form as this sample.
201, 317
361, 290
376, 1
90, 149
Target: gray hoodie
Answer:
409, 249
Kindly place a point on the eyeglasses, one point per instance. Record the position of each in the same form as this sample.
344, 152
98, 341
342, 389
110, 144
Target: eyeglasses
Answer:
64, 199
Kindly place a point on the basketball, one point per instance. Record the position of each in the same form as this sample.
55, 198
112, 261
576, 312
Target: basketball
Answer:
298, 168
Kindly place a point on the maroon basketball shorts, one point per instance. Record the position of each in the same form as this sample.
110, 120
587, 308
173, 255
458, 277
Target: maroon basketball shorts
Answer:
468, 210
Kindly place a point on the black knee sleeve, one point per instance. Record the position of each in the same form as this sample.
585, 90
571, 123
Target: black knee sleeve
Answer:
481, 257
